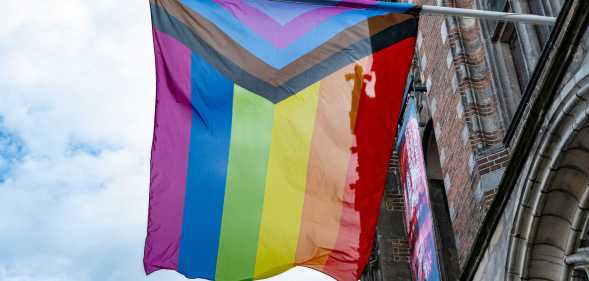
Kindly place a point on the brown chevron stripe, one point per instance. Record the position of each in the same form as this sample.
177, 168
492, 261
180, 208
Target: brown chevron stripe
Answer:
247, 61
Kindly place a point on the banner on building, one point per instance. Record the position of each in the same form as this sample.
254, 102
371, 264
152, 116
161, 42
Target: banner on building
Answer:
274, 125
418, 211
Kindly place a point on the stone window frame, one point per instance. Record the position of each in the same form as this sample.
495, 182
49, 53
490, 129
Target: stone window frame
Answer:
514, 49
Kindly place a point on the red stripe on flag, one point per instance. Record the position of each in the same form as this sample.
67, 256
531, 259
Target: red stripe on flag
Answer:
375, 131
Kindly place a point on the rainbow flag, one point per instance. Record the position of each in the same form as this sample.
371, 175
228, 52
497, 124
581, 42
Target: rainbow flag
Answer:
274, 125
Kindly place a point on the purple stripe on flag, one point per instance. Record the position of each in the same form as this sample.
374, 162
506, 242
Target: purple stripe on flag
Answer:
282, 12
169, 153
281, 35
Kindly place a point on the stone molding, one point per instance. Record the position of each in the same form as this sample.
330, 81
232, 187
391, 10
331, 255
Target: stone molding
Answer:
474, 77
579, 260
553, 208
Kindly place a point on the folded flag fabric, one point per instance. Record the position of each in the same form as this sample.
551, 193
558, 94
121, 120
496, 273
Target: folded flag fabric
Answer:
274, 125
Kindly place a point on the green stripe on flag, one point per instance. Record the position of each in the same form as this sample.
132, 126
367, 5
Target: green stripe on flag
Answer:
251, 136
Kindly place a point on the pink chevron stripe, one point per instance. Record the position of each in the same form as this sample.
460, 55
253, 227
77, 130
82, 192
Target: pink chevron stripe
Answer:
279, 35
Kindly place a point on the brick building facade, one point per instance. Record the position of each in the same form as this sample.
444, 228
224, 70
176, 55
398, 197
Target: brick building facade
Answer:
489, 97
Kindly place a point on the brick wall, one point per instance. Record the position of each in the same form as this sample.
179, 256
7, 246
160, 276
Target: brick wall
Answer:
494, 160
392, 238
462, 109
400, 250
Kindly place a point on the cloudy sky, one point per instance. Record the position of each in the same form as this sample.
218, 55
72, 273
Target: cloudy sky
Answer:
76, 113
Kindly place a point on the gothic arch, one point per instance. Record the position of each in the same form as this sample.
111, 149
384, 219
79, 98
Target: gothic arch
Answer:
553, 205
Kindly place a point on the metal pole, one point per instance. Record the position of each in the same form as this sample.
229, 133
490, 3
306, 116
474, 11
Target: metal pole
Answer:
431, 10
501, 16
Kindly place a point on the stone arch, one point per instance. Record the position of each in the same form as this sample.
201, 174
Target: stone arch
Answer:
553, 205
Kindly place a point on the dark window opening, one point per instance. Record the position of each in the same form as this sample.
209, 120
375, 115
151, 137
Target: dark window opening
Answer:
543, 31
517, 53
445, 240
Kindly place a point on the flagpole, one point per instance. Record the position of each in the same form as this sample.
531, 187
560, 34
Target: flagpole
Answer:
493, 15
434, 10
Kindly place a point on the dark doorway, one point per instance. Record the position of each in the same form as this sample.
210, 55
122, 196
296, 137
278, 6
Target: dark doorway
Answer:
446, 244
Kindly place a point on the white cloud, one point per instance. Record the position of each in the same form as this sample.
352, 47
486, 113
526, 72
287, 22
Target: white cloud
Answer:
77, 92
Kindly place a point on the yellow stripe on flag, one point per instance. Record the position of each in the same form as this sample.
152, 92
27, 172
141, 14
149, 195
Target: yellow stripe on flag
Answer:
294, 120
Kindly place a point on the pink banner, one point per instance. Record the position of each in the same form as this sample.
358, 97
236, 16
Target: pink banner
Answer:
418, 212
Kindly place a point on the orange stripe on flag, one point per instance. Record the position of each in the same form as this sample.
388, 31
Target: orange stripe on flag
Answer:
328, 164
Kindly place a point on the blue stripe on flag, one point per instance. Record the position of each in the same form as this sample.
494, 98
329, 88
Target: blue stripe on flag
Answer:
212, 102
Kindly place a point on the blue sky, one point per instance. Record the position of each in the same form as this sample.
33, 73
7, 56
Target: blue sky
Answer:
76, 117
